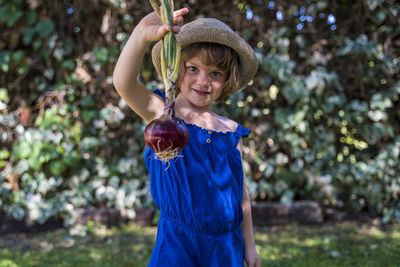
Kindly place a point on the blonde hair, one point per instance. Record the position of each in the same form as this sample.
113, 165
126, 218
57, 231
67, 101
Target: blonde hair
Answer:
217, 55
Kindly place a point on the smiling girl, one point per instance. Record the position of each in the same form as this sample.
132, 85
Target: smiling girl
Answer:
205, 212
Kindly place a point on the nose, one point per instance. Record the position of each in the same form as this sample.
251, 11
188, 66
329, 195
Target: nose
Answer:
203, 79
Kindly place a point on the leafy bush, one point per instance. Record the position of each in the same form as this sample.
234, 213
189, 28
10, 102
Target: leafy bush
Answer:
63, 145
323, 107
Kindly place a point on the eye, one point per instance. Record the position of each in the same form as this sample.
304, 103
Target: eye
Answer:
216, 74
191, 69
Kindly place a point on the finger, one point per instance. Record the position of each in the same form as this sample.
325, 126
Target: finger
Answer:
181, 12
178, 20
163, 30
178, 15
176, 29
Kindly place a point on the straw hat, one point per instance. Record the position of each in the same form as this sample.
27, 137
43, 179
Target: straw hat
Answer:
214, 31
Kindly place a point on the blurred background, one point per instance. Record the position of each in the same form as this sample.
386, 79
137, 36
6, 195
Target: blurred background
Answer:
323, 108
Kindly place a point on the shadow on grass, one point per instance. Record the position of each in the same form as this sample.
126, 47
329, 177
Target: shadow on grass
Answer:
126, 246
345, 244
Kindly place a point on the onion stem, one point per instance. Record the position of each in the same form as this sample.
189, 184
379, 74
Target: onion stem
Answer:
167, 136
170, 54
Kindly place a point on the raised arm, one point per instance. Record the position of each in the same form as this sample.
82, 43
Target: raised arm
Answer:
150, 29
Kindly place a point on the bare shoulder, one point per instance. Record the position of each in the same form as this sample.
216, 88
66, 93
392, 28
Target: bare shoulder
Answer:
226, 125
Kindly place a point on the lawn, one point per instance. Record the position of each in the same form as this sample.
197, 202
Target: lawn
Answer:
339, 244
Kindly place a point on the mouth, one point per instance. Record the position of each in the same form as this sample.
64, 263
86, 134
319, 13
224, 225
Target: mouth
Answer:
201, 93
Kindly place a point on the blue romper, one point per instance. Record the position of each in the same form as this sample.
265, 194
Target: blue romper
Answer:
200, 201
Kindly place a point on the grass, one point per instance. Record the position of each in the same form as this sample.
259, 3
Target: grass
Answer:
344, 244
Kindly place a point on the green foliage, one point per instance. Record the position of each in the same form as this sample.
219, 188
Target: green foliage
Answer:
55, 162
323, 107
315, 123
317, 117
64, 158
10, 13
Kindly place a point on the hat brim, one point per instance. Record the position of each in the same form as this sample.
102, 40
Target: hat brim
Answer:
208, 30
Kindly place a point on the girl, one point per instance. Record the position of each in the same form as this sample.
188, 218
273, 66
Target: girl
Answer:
205, 214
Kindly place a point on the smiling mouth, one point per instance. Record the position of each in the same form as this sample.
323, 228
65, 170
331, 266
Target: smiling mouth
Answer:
202, 93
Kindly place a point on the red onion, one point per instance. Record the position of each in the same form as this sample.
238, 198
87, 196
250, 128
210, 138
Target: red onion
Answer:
166, 136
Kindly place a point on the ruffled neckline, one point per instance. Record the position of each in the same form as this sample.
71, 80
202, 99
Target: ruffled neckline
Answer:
239, 130
205, 130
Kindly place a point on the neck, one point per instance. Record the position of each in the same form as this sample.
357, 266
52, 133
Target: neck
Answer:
191, 113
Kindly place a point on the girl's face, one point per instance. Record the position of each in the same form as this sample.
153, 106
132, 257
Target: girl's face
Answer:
202, 84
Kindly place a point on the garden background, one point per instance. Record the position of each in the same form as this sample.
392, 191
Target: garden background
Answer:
323, 108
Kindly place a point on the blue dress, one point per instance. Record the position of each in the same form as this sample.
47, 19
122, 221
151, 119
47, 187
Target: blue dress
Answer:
199, 197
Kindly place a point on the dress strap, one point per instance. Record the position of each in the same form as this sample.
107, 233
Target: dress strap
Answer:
239, 133
243, 132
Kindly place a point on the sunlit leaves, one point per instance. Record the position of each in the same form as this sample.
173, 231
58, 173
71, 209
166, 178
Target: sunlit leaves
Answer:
380, 102
317, 122
22, 150
295, 90
65, 144
5, 59
44, 28
10, 14
373, 4
101, 53
319, 131
89, 143
112, 114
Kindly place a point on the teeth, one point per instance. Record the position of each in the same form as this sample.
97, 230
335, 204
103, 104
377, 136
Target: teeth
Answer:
202, 92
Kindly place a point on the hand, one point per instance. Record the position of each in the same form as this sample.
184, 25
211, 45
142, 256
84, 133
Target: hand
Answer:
251, 257
152, 29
